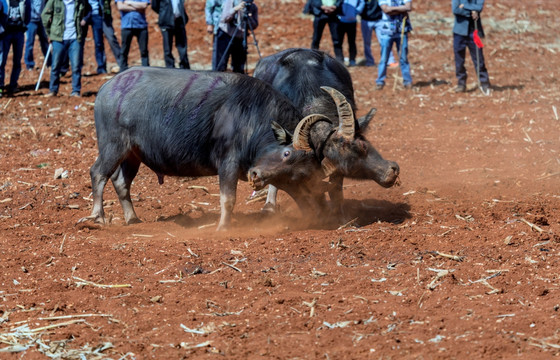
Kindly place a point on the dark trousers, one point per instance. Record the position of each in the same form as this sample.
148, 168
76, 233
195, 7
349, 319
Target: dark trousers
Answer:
97, 29
348, 29
109, 33
142, 38
180, 34
319, 24
236, 51
460, 45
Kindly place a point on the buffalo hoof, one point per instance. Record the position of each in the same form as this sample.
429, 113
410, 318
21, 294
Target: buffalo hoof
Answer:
134, 220
268, 208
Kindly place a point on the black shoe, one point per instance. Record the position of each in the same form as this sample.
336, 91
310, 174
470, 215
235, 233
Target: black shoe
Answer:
379, 86
460, 88
485, 88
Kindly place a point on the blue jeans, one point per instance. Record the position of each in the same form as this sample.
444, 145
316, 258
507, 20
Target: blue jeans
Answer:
35, 28
15, 40
97, 29
386, 45
367, 31
74, 50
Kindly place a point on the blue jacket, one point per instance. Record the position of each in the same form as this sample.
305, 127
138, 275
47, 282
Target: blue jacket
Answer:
351, 9
464, 24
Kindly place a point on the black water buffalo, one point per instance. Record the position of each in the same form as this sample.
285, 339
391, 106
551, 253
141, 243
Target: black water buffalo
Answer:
319, 84
194, 123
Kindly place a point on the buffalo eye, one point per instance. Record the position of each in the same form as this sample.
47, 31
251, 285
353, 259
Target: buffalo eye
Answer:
286, 154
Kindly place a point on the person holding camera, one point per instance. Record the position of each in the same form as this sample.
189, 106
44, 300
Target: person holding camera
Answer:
237, 19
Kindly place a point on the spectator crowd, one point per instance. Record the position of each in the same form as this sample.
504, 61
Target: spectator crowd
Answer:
61, 27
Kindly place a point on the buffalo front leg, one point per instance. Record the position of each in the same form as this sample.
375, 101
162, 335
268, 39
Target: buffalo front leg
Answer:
99, 179
270, 205
337, 196
228, 191
122, 180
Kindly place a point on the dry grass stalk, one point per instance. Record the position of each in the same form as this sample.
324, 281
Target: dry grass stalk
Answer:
348, 224
531, 225
52, 318
233, 266
312, 306
432, 285
452, 257
82, 282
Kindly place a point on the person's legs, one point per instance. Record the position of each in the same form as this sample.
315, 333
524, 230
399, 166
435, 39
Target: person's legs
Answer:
482, 71
76, 55
143, 45
379, 34
337, 42
126, 38
238, 56
100, 57
17, 53
367, 30
222, 57
59, 54
459, 49
5, 47
44, 42
109, 33
403, 60
167, 39
181, 43
31, 31
318, 27
351, 34
386, 44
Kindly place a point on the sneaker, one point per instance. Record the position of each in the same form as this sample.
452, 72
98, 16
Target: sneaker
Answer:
460, 88
407, 86
51, 94
352, 63
379, 86
75, 94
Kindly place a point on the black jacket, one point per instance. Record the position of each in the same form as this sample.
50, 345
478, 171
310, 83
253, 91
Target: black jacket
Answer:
372, 11
315, 7
166, 18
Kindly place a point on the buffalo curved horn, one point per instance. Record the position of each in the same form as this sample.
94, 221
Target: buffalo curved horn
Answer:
346, 127
303, 128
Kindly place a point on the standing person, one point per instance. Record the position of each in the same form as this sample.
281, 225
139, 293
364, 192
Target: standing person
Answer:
394, 30
370, 22
172, 21
213, 12
134, 24
467, 20
231, 22
347, 26
65, 27
16, 15
95, 19
35, 28
109, 33
325, 12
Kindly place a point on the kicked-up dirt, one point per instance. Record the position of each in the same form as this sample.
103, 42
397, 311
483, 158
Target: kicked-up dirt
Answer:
461, 261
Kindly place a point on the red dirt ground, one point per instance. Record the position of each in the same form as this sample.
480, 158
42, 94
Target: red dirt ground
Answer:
460, 261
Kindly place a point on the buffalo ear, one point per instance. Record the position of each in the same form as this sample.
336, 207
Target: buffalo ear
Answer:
282, 135
363, 122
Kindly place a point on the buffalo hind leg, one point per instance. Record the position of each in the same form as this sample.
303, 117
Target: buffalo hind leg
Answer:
122, 180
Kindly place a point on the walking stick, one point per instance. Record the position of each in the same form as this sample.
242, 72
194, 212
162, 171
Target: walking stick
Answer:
401, 51
43, 67
478, 63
